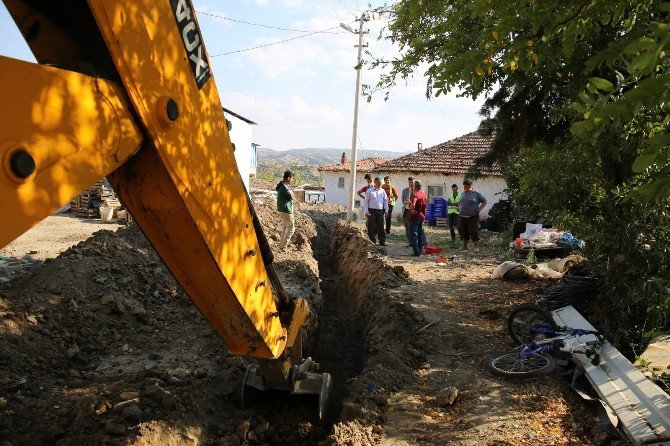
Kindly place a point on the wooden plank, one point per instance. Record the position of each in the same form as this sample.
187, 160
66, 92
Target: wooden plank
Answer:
642, 407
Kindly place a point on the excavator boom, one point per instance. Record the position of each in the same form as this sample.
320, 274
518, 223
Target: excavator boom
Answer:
125, 89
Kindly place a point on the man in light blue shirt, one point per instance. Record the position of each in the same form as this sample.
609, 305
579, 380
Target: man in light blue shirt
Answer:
376, 206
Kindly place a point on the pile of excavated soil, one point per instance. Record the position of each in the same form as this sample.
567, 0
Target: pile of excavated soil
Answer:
101, 346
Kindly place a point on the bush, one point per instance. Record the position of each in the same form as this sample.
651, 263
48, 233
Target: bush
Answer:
629, 237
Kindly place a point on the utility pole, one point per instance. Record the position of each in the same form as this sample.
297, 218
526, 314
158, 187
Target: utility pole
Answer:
352, 197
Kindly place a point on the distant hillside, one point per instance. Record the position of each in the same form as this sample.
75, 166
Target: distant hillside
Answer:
304, 162
315, 157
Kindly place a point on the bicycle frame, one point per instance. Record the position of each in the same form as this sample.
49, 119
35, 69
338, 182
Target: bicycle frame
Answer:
564, 339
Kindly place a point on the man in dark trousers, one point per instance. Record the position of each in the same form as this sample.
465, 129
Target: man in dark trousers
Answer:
417, 215
376, 206
406, 199
471, 204
452, 212
392, 195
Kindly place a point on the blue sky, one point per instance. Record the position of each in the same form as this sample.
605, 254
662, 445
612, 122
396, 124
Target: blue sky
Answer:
301, 93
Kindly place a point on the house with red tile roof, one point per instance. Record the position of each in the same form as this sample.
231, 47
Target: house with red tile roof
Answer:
440, 166
337, 178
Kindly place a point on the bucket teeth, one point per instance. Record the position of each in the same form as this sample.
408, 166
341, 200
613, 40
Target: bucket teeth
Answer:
304, 381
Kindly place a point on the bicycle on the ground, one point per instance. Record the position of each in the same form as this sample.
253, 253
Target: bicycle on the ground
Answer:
539, 339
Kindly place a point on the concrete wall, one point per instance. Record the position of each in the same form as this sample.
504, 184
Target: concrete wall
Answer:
335, 194
241, 136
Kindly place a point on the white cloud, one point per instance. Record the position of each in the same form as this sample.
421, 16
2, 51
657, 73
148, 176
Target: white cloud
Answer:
301, 92
295, 122
302, 57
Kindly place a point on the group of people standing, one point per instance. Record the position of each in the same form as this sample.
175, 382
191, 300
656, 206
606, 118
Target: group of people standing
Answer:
378, 203
379, 199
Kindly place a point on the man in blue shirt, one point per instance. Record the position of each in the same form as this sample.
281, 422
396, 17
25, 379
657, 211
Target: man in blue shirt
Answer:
469, 207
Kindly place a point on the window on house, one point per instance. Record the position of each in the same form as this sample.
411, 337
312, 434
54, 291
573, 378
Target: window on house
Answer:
340, 182
357, 203
435, 191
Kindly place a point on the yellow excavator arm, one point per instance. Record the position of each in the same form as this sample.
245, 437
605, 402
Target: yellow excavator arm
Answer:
124, 89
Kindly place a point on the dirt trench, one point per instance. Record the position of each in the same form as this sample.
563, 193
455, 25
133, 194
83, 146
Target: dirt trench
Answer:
364, 336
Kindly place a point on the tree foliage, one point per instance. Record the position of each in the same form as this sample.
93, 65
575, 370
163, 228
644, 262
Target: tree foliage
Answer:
576, 92
546, 64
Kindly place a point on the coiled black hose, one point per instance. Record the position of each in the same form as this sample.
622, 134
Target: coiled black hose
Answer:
577, 286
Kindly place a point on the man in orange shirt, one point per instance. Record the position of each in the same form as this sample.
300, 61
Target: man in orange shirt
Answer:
361, 192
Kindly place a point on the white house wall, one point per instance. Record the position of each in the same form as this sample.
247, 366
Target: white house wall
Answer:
490, 187
335, 194
241, 136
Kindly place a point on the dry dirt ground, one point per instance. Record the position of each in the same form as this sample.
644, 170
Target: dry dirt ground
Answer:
101, 346
470, 309
54, 235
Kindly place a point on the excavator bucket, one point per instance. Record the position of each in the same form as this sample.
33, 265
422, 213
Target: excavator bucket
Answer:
304, 381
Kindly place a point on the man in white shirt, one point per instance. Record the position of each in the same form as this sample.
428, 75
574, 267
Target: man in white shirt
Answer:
376, 206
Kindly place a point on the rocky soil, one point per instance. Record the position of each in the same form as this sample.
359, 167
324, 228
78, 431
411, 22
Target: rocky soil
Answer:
101, 346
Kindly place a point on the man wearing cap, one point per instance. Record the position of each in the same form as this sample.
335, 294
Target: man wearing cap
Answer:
469, 207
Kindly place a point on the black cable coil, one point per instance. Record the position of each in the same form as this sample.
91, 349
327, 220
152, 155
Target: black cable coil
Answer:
577, 286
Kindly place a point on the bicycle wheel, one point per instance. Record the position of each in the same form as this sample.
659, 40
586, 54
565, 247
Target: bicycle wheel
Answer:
529, 323
511, 363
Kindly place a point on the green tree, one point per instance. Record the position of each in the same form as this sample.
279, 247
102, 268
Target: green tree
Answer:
576, 94
534, 59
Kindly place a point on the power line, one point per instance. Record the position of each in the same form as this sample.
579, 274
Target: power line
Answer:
346, 7
275, 43
258, 24
327, 3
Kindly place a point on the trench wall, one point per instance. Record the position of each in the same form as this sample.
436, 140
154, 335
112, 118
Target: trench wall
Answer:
387, 330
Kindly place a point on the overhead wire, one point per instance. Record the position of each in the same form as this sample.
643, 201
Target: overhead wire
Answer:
275, 43
218, 16
346, 7
327, 3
